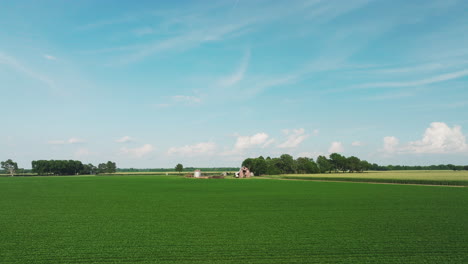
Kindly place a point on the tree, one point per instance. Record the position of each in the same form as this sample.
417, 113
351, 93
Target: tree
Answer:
179, 167
364, 165
111, 167
306, 165
258, 165
102, 168
288, 164
274, 166
9, 166
249, 162
324, 164
88, 169
338, 162
353, 163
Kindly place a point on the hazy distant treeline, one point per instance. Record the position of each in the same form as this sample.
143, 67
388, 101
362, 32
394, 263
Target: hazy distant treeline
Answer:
187, 169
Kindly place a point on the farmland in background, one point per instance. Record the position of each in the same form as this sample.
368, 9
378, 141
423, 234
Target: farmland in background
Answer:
147, 219
443, 177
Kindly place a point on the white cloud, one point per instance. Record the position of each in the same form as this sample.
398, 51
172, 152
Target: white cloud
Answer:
296, 136
336, 147
357, 144
309, 154
49, 57
390, 144
125, 139
137, 152
76, 141
439, 138
162, 105
82, 152
259, 139
72, 140
203, 148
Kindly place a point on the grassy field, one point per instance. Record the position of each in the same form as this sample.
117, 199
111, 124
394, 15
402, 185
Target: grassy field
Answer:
147, 219
444, 177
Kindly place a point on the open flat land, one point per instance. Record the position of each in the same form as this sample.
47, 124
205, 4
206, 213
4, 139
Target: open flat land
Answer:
442, 177
152, 219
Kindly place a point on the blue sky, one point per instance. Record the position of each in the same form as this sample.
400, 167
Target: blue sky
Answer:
209, 83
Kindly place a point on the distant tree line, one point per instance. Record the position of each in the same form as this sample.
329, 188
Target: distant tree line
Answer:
185, 169
430, 167
70, 167
286, 164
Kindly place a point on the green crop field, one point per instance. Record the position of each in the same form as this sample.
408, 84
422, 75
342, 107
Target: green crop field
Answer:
151, 219
446, 177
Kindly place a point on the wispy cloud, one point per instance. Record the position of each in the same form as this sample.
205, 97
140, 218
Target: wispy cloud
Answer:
49, 57
20, 67
182, 42
72, 140
144, 31
82, 153
389, 96
295, 137
193, 27
238, 75
177, 100
431, 80
107, 22
57, 142
203, 148
187, 99
76, 140
138, 152
125, 139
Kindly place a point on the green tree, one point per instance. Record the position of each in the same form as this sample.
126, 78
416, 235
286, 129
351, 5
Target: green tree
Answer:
364, 166
324, 164
179, 167
88, 169
111, 167
102, 168
9, 166
288, 164
274, 166
338, 162
306, 165
353, 163
249, 163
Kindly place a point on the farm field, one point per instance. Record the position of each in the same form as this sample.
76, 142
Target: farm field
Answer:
148, 219
445, 177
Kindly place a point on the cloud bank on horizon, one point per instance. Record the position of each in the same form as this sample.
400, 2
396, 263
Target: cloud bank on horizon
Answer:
210, 84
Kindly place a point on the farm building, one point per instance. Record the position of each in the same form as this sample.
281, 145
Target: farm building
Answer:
244, 172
